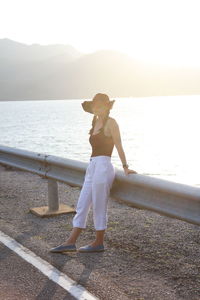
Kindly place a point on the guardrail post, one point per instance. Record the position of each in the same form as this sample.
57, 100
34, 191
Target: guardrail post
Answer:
53, 195
54, 208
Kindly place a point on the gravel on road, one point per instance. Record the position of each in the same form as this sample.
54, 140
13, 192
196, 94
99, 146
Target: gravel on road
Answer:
148, 256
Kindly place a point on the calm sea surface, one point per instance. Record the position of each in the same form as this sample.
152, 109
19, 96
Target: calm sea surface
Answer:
160, 135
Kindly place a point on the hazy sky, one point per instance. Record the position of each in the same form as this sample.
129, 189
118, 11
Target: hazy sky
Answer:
157, 30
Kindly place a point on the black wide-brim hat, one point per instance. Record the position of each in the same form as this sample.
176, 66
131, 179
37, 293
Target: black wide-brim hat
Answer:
87, 105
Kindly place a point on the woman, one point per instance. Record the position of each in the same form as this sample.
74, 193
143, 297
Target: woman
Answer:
99, 176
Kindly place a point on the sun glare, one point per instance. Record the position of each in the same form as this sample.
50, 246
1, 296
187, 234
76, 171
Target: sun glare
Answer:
158, 31
162, 31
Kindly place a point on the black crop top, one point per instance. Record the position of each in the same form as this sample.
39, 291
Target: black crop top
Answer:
101, 144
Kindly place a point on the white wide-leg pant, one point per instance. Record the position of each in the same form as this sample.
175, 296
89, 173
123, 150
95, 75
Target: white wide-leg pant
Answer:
95, 192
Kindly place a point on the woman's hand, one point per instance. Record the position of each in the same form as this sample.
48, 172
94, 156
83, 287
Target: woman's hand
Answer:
128, 171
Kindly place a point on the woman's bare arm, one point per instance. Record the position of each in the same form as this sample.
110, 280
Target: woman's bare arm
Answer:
115, 132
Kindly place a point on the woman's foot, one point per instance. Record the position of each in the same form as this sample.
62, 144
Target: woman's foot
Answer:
64, 248
89, 248
68, 245
96, 246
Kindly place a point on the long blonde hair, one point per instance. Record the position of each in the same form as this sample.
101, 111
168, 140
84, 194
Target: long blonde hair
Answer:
94, 121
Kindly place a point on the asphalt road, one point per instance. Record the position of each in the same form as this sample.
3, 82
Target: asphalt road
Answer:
147, 257
20, 280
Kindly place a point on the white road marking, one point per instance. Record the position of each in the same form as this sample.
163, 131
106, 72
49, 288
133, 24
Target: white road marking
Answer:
76, 290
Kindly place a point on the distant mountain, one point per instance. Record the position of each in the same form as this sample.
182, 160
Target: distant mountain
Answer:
62, 72
13, 51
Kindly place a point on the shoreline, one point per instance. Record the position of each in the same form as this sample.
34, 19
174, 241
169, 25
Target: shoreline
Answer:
118, 98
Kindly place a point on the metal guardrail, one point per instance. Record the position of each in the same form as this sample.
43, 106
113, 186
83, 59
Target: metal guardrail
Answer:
172, 199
